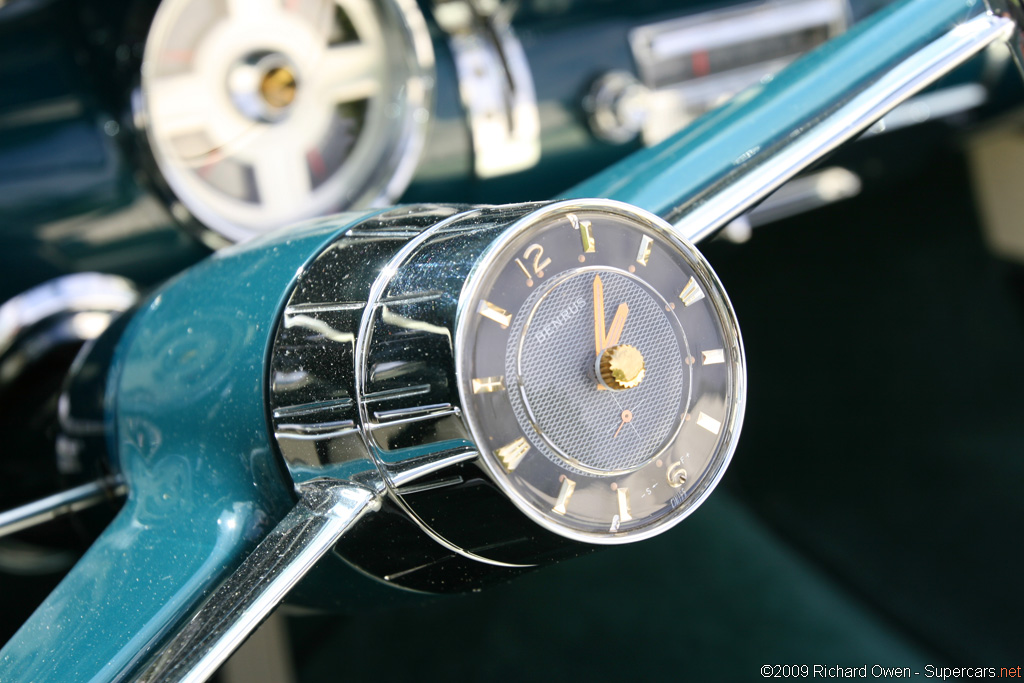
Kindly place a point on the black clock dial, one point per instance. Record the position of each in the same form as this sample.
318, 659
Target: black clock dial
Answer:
601, 369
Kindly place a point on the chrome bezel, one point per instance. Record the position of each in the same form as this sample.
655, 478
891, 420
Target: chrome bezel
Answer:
387, 155
731, 335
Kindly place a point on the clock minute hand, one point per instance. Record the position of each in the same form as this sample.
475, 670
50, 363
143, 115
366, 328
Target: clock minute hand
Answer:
602, 339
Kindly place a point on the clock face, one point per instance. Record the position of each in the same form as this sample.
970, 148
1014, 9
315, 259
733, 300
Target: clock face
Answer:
601, 370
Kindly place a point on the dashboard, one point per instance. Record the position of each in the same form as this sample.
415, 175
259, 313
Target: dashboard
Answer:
134, 140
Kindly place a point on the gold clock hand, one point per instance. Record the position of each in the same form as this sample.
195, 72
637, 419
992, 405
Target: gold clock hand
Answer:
603, 340
618, 322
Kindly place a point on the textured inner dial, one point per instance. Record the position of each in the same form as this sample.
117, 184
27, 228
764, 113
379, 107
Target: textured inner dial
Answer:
551, 356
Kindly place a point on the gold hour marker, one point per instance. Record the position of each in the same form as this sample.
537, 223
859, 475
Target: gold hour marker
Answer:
691, 293
485, 385
495, 313
586, 233
568, 486
644, 252
512, 454
624, 515
709, 423
712, 357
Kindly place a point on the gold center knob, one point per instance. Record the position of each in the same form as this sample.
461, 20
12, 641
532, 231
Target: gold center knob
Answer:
621, 367
278, 87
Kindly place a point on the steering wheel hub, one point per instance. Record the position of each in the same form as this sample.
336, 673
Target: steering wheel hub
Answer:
263, 86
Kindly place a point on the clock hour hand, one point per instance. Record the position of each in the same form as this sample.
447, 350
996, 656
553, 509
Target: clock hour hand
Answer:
618, 322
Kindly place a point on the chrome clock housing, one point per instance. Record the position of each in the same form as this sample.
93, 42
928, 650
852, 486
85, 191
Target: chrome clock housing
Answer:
260, 114
385, 370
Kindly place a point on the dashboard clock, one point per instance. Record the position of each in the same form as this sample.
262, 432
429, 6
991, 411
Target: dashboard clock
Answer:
523, 380
601, 370
263, 113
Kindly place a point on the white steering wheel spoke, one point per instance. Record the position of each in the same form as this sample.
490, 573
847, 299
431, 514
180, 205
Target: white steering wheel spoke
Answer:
318, 13
181, 103
282, 173
348, 73
249, 10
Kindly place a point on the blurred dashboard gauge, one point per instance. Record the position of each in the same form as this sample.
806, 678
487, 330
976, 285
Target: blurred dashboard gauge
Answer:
259, 113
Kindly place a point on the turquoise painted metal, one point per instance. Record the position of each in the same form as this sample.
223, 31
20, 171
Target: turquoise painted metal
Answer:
190, 429
680, 169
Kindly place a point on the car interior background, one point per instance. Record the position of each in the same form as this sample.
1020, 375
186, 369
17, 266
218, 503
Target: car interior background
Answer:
873, 511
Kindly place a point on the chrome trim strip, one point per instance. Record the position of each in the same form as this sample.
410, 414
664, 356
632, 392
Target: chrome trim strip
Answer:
405, 474
334, 307
840, 125
403, 392
429, 486
78, 292
680, 60
313, 434
387, 418
655, 45
325, 511
313, 408
52, 507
